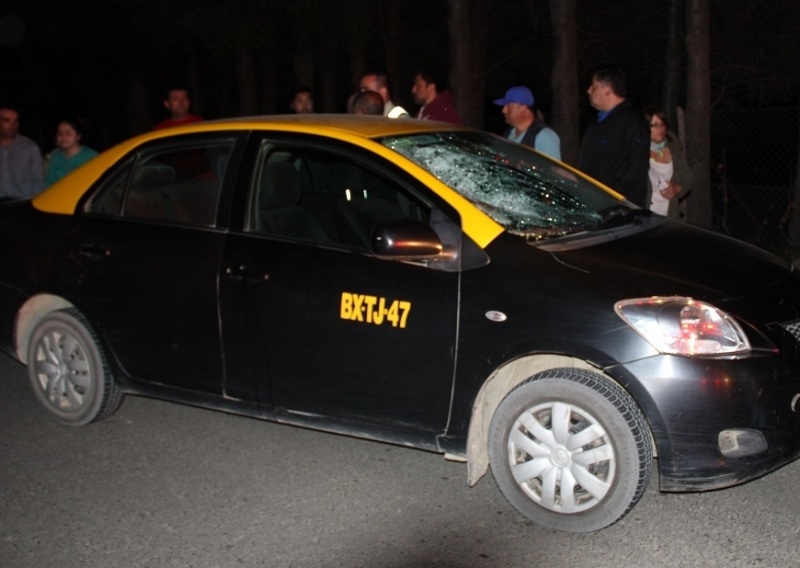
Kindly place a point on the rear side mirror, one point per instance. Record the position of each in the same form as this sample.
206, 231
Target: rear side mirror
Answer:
406, 240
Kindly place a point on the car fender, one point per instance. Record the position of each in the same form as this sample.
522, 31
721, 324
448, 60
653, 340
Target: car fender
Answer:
495, 389
29, 314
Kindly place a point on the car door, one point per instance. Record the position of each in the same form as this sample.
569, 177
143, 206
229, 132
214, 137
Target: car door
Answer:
336, 332
147, 248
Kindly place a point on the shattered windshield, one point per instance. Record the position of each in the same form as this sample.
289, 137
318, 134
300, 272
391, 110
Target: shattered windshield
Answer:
525, 192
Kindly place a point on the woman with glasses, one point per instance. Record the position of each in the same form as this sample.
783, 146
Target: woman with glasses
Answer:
669, 176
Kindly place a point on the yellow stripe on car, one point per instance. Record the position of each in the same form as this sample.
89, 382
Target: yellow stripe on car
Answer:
63, 196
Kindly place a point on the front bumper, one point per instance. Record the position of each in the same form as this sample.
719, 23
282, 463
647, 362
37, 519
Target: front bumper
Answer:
718, 423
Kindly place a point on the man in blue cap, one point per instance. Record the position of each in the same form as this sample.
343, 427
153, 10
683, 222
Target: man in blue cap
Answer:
525, 128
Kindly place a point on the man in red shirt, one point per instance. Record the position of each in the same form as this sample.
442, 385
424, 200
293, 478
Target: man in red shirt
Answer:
435, 100
178, 103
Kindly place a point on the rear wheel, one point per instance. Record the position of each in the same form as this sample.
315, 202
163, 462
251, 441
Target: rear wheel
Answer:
570, 450
68, 370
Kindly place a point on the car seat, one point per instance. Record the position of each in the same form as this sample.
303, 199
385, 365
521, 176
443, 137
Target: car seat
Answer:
280, 212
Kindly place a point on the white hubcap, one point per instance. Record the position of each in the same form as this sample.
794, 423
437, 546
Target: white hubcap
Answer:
561, 457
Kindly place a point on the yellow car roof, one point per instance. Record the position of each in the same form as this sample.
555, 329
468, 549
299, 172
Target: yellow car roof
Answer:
63, 196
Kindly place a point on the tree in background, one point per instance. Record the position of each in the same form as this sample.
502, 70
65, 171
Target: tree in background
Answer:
245, 56
564, 78
698, 112
467, 24
673, 63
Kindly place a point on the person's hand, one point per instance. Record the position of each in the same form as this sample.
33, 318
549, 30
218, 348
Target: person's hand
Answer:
671, 190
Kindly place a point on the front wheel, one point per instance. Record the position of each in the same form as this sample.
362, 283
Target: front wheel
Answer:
570, 450
68, 371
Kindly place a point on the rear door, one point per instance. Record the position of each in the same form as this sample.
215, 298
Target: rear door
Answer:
147, 247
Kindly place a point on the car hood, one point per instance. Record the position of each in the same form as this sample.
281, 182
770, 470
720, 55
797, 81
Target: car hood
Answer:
673, 258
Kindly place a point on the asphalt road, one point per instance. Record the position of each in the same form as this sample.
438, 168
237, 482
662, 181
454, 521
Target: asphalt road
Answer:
161, 485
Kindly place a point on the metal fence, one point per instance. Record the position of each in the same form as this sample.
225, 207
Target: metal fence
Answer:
754, 157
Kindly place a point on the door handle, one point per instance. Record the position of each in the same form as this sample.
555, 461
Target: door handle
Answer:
247, 271
93, 251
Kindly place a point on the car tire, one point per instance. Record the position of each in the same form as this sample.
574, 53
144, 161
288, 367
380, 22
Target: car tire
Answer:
570, 450
69, 372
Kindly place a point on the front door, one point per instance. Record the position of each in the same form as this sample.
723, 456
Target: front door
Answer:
335, 331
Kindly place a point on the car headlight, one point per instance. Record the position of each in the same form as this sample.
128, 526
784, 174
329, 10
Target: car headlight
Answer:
683, 326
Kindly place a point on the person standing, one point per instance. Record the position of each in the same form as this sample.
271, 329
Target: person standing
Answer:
670, 177
178, 104
21, 171
435, 99
302, 101
368, 102
378, 81
69, 153
615, 149
525, 128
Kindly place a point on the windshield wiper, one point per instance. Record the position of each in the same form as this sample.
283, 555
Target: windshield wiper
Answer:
544, 233
622, 215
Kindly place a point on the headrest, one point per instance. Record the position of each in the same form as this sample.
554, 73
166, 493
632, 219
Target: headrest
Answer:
280, 186
152, 176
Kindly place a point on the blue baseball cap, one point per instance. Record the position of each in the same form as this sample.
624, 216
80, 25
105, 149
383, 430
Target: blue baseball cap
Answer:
519, 95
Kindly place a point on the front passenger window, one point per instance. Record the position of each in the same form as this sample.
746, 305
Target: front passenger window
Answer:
326, 197
279, 211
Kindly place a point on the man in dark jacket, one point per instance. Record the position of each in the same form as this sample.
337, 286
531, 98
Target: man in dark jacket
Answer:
616, 146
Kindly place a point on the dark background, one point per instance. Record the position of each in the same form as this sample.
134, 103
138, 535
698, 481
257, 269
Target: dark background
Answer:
100, 59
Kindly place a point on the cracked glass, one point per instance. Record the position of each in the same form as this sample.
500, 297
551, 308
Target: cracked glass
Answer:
526, 192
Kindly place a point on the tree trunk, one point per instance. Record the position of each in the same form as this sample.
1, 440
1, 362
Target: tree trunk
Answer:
478, 20
793, 229
467, 26
268, 84
356, 41
460, 72
392, 17
672, 66
564, 79
698, 112
196, 86
139, 119
325, 92
303, 59
245, 76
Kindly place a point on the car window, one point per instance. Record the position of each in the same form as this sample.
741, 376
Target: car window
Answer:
172, 183
107, 200
326, 197
527, 193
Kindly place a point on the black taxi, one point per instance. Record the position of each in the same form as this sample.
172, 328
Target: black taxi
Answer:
412, 282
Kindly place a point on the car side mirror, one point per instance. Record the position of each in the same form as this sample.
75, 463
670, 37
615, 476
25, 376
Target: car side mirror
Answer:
406, 240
